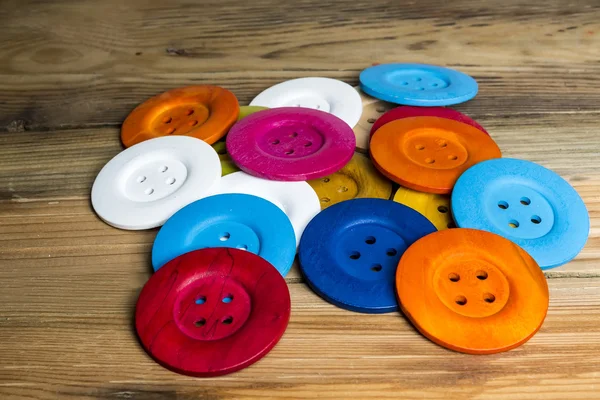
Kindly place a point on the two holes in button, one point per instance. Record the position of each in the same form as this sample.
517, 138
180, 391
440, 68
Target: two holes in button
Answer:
462, 300
535, 219
225, 236
228, 298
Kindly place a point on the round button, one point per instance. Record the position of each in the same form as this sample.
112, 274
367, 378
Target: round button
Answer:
204, 112
323, 94
296, 199
472, 291
212, 312
408, 111
428, 154
145, 184
228, 220
417, 84
526, 203
227, 165
357, 179
435, 207
349, 252
291, 144
248, 110
372, 110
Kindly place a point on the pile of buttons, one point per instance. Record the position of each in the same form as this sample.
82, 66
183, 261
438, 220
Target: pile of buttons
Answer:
287, 181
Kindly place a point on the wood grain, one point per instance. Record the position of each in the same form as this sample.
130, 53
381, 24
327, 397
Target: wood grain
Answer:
71, 71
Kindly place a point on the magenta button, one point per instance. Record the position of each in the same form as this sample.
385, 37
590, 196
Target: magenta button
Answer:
291, 144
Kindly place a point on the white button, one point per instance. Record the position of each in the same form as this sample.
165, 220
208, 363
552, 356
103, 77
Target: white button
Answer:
297, 200
141, 187
324, 94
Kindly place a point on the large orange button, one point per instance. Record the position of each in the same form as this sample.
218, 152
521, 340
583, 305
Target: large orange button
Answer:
429, 153
204, 112
472, 291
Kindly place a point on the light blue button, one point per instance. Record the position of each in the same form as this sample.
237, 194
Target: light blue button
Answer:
527, 204
418, 84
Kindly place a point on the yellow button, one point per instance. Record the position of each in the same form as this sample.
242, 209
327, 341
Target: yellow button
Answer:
435, 207
247, 110
357, 179
227, 165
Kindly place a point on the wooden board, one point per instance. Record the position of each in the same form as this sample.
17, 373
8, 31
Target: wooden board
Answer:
71, 72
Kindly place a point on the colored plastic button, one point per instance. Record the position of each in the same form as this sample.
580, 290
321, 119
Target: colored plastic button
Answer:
358, 179
296, 199
323, 94
526, 203
440, 112
472, 291
435, 207
212, 312
227, 166
372, 110
428, 154
291, 144
145, 184
228, 220
417, 84
248, 110
349, 252
204, 112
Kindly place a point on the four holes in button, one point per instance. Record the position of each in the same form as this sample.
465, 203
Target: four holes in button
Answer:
462, 300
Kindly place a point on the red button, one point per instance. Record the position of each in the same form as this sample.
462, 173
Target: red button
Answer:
212, 312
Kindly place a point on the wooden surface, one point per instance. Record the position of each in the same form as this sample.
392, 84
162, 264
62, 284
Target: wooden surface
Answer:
71, 72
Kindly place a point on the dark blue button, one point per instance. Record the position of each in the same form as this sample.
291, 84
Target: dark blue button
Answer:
349, 252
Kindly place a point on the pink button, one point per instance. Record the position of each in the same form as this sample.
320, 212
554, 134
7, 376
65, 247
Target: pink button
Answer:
291, 144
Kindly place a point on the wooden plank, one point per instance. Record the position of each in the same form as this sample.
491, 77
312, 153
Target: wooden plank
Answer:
90, 63
58, 343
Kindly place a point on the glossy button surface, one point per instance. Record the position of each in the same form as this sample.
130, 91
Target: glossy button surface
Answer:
472, 291
428, 154
417, 84
324, 94
145, 184
228, 220
349, 252
526, 203
435, 207
296, 199
212, 312
291, 144
440, 112
204, 112
358, 179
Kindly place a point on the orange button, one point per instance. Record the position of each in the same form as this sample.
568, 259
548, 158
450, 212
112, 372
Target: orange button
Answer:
429, 153
472, 291
204, 112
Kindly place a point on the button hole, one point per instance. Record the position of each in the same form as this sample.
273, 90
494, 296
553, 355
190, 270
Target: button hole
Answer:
200, 322
460, 300
489, 298
190, 112
149, 191
536, 219
227, 320
201, 300
404, 83
452, 157
391, 252
227, 299
513, 223
170, 181
307, 144
355, 255
503, 205
429, 160
167, 120
370, 240
525, 201
275, 141
443, 209
193, 123
164, 168
371, 120
325, 199
141, 179
225, 236
289, 152
443, 144
380, 109
421, 88
242, 247
342, 189
295, 134
325, 180
376, 268
420, 147
481, 275
418, 79
170, 131
454, 277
